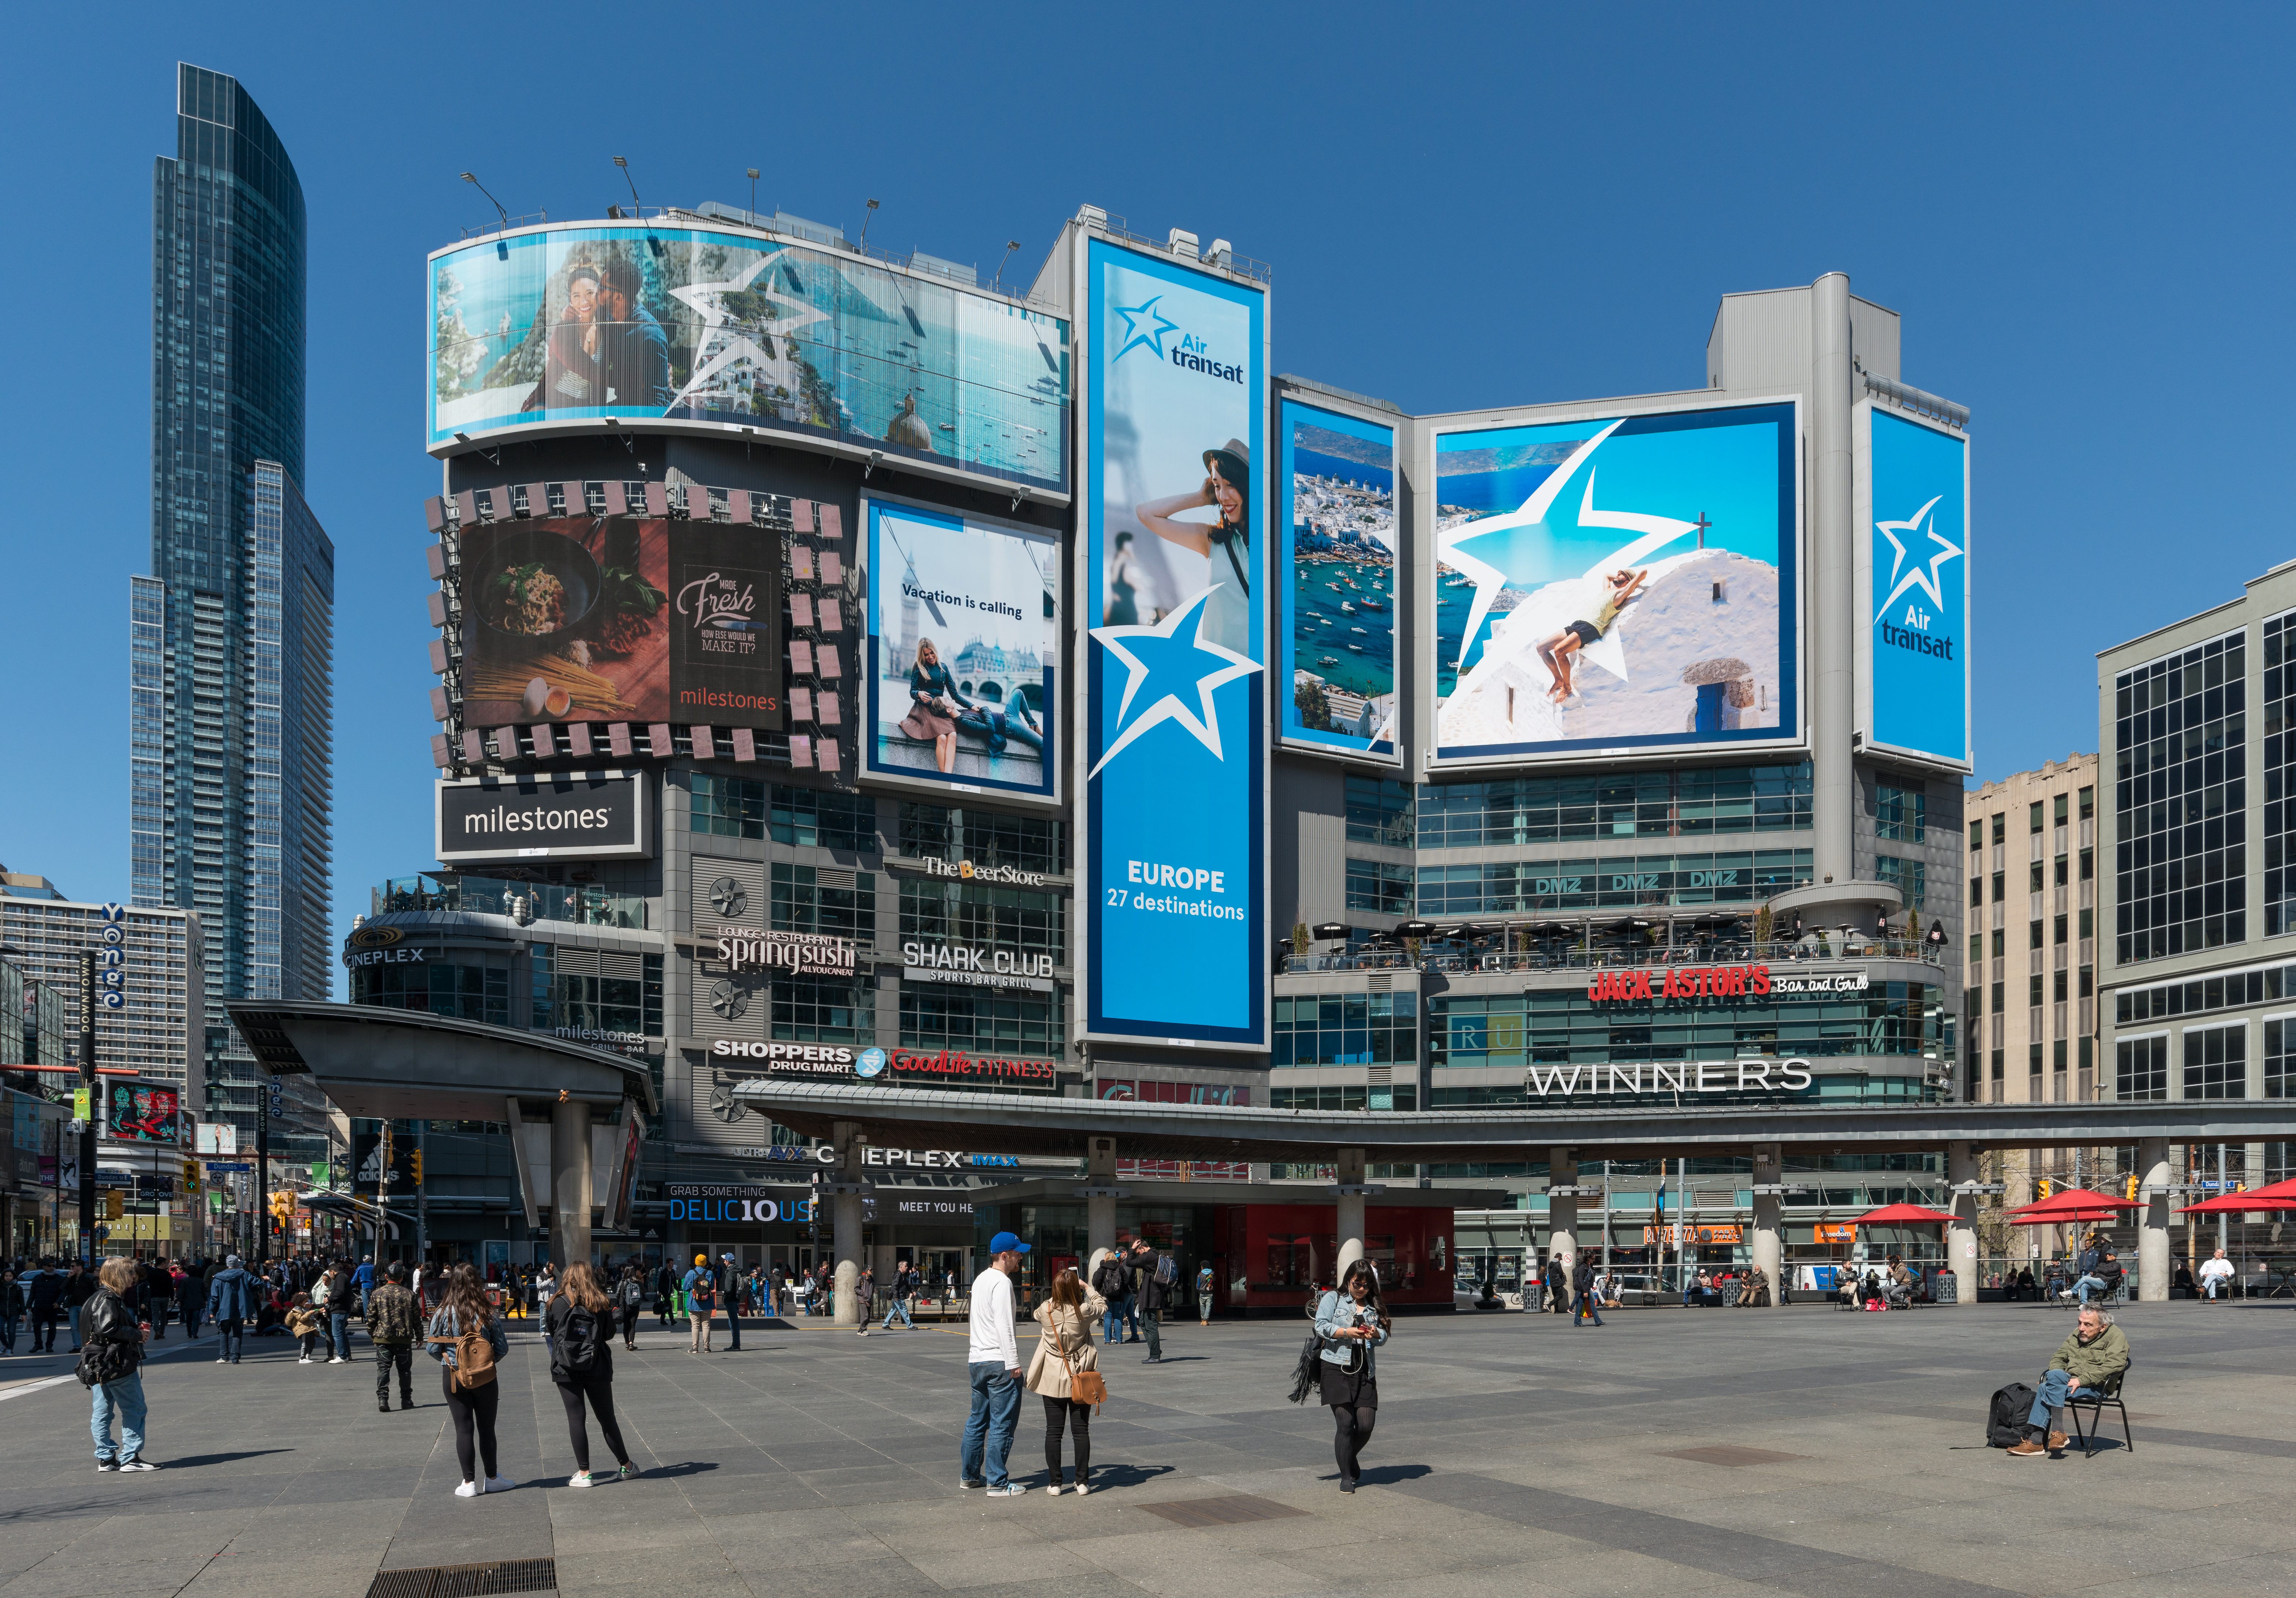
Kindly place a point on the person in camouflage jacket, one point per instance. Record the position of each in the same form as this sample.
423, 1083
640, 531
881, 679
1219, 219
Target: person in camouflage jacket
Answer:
393, 1324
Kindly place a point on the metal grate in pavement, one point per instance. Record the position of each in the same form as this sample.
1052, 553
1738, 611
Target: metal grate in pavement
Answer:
467, 1581
1727, 1454
1236, 1509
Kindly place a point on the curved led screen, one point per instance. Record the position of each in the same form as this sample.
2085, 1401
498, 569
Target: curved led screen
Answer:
723, 330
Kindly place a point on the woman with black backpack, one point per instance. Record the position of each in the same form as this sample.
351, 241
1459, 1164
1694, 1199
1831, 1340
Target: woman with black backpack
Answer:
629, 1301
580, 1326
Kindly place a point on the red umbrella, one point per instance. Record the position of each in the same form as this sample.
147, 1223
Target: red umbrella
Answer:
1904, 1214
2062, 1205
2280, 1195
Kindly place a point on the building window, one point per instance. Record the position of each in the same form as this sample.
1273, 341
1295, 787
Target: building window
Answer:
595, 990
2000, 886
728, 807
1511, 887
1382, 887
2057, 811
1564, 1026
1379, 811
1354, 1095
1036, 843
2001, 829
469, 993
824, 901
2215, 1062
1976, 836
823, 1009
2280, 1058
984, 914
2088, 803
2141, 1071
1352, 1029
1910, 877
1683, 804
825, 820
1901, 813
2033, 816
978, 1024
2180, 799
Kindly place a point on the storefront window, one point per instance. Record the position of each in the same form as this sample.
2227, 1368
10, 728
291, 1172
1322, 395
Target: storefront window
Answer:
469, 993
979, 1024
1353, 1028
1398, 1095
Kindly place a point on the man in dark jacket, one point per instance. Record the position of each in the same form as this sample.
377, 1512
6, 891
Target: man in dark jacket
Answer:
729, 1285
44, 1292
192, 1296
1150, 1295
393, 1325
1558, 1286
234, 1298
1582, 1285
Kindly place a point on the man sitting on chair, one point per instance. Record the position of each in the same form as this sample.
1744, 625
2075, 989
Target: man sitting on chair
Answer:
2091, 1356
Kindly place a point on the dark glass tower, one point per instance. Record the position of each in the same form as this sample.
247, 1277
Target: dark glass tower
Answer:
231, 634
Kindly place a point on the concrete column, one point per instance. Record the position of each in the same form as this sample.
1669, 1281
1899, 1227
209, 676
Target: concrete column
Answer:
1562, 1213
845, 1213
2152, 1265
1100, 1210
1769, 1243
570, 1182
1833, 611
1350, 1212
1961, 1237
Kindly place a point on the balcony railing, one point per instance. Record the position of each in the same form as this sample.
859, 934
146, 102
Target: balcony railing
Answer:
582, 903
1832, 949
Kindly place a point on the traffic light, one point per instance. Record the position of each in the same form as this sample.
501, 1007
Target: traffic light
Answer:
114, 1205
282, 1205
418, 1168
2132, 1187
2046, 1186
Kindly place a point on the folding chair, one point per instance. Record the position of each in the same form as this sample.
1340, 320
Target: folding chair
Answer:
2094, 1399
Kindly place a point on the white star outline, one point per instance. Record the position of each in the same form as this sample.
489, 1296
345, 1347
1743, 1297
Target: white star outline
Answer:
1922, 576
707, 301
1205, 727
1134, 339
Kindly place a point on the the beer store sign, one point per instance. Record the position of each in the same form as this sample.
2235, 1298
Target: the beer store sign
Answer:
747, 948
1682, 1077
1670, 984
976, 967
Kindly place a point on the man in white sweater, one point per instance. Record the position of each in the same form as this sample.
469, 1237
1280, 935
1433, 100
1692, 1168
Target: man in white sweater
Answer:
993, 1360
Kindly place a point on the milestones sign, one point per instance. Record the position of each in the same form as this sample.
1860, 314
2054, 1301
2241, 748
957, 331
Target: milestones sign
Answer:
564, 816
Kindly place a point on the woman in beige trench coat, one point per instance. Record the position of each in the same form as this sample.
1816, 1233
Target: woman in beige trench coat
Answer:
1067, 1315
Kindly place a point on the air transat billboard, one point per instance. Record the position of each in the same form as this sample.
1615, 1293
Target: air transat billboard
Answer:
1617, 583
1174, 569
1913, 579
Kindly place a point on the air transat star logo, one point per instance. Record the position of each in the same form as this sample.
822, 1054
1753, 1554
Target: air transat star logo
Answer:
1176, 663
1152, 337
1923, 576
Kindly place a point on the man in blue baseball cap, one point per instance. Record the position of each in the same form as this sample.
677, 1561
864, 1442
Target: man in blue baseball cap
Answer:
993, 1360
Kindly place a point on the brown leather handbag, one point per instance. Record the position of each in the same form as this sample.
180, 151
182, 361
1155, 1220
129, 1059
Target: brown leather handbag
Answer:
1085, 1387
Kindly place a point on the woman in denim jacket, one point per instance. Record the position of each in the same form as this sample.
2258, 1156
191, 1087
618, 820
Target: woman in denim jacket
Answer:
1352, 1324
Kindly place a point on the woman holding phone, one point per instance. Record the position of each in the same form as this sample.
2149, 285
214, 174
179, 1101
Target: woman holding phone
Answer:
1225, 544
1352, 1322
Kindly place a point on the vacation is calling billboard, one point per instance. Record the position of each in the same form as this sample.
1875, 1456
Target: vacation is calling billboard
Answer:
1617, 583
1174, 725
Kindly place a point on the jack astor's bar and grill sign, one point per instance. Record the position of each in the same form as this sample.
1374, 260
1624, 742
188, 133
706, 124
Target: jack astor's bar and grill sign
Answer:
1672, 982
747, 948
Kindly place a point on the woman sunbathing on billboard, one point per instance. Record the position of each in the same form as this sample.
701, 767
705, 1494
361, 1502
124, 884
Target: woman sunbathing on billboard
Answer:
1226, 619
1618, 588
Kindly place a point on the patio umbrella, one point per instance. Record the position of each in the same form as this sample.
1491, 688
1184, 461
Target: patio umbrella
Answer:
2070, 1204
2234, 1203
1415, 929
1904, 1214
1330, 929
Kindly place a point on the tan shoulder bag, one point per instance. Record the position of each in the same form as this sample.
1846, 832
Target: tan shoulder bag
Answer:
1085, 1387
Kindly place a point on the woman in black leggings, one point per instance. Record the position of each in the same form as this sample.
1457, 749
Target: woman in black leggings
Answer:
466, 1309
1352, 1324
1067, 1314
580, 1326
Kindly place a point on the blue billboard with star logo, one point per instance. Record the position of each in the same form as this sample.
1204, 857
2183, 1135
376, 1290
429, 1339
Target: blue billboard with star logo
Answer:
1173, 754
1915, 495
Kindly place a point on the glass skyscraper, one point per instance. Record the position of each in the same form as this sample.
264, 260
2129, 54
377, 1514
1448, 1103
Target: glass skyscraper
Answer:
231, 636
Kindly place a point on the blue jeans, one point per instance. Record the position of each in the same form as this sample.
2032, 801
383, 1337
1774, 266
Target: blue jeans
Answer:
338, 1327
899, 1306
1112, 1324
231, 1339
72, 1316
1585, 1307
2216, 1282
989, 1428
124, 1397
2050, 1399
2087, 1283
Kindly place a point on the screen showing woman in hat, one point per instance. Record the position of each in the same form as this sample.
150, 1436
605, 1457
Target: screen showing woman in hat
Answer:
1227, 543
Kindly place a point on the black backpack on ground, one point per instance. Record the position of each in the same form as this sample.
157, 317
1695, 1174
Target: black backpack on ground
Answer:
2005, 1425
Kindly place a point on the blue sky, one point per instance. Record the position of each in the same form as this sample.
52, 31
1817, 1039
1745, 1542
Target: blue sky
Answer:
2080, 214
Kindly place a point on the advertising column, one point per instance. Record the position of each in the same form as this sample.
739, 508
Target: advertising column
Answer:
1173, 755
1913, 572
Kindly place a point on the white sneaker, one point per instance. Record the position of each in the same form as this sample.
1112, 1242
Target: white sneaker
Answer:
469, 1490
1082, 1487
304, 1361
1010, 1489
1054, 1490
337, 1360
499, 1484
582, 1479
221, 1360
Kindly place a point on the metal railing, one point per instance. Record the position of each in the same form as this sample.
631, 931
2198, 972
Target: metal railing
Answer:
1832, 949
581, 903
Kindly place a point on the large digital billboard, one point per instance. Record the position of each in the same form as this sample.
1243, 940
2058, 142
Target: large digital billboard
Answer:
141, 1112
964, 634
721, 329
1913, 575
1173, 753
1338, 563
606, 618
1617, 583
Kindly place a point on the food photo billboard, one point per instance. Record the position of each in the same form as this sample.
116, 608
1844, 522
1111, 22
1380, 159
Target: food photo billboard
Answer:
965, 637
1913, 585
1616, 583
1337, 559
545, 328
1173, 567
607, 618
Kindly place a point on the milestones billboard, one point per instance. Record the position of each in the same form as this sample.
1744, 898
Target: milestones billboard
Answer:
1617, 583
1338, 559
1173, 727
1913, 579
965, 639
571, 815
714, 330
622, 618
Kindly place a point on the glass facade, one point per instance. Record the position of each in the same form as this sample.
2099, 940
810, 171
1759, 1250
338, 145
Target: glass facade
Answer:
1379, 811
469, 993
1654, 804
582, 903
1508, 887
2279, 765
727, 807
1564, 1026
2216, 1062
831, 821
824, 1010
984, 914
1910, 877
1382, 887
987, 838
2180, 798
2141, 1067
979, 1024
1901, 813
595, 990
1349, 1029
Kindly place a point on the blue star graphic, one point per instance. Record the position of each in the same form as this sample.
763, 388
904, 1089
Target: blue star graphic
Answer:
1176, 665
1153, 338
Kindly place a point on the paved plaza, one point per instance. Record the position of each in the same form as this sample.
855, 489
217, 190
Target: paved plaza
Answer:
1515, 1457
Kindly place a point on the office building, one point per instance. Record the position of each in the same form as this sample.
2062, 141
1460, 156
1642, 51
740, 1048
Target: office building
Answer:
156, 1029
230, 637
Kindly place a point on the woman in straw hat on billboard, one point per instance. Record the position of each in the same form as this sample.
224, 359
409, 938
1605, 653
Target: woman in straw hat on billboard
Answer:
1227, 543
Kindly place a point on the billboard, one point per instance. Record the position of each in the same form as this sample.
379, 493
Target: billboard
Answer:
608, 618
545, 815
964, 638
1337, 579
1173, 748
140, 1113
1617, 583
719, 330
1913, 579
